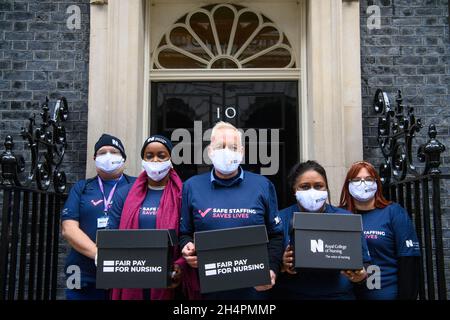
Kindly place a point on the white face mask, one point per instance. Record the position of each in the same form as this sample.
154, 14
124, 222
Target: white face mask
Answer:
225, 160
311, 199
157, 170
109, 162
362, 192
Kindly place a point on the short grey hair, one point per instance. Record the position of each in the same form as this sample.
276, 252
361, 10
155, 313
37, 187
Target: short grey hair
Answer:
225, 125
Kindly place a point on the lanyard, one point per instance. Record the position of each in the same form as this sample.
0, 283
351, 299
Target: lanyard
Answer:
106, 202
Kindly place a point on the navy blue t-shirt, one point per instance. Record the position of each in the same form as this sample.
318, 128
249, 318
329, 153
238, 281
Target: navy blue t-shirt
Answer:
209, 203
85, 205
147, 211
314, 284
390, 234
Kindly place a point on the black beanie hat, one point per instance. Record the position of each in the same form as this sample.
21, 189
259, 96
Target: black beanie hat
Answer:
157, 138
109, 140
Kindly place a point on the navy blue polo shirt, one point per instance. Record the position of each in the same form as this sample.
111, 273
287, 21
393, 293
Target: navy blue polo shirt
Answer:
210, 203
85, 205
147, 211
314, 284
390, 234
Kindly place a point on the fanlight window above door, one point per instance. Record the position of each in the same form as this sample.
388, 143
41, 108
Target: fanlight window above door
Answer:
223, 36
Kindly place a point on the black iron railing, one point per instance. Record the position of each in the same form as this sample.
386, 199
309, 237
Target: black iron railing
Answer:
30, 216
422, 198
29, 243
418, 190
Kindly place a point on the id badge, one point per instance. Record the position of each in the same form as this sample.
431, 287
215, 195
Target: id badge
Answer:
102, 222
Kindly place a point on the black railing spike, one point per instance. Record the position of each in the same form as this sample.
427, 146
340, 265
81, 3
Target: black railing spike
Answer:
431, 152
12, 165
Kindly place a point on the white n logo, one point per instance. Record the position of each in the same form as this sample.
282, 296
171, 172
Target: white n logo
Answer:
316, 246
409, 243
114, 142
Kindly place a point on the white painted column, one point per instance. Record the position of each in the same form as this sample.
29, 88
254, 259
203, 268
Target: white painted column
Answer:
116, 77
97, 107
333, 88
351, 50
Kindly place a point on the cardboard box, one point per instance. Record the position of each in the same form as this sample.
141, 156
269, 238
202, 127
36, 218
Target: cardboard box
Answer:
232, 258
134, 258
327, 241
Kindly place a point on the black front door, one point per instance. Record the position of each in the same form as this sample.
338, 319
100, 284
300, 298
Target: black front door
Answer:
266, 111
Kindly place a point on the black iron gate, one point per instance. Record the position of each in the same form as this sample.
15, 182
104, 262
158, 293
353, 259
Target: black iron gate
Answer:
29, 243
30, 216
418, 190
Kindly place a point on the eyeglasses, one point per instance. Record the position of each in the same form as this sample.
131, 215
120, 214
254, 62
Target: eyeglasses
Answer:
368, 181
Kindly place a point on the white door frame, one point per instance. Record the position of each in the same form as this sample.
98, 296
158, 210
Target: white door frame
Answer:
254, 74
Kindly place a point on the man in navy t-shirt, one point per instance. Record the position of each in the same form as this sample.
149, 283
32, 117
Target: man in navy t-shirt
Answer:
229, 197
86, 210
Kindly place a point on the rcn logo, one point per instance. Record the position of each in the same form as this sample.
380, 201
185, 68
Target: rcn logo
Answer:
316, 246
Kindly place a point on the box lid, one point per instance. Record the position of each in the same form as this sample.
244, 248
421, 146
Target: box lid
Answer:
327, 221
143, 238
232, 237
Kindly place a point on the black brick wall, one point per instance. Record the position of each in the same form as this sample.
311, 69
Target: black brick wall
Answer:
40, 56
410, 52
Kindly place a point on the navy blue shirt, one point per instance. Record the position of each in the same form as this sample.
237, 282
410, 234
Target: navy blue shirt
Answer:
85, 205
147, 211
390, 234
314, 284
210, 203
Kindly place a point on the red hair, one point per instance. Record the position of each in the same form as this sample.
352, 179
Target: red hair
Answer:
347, 202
